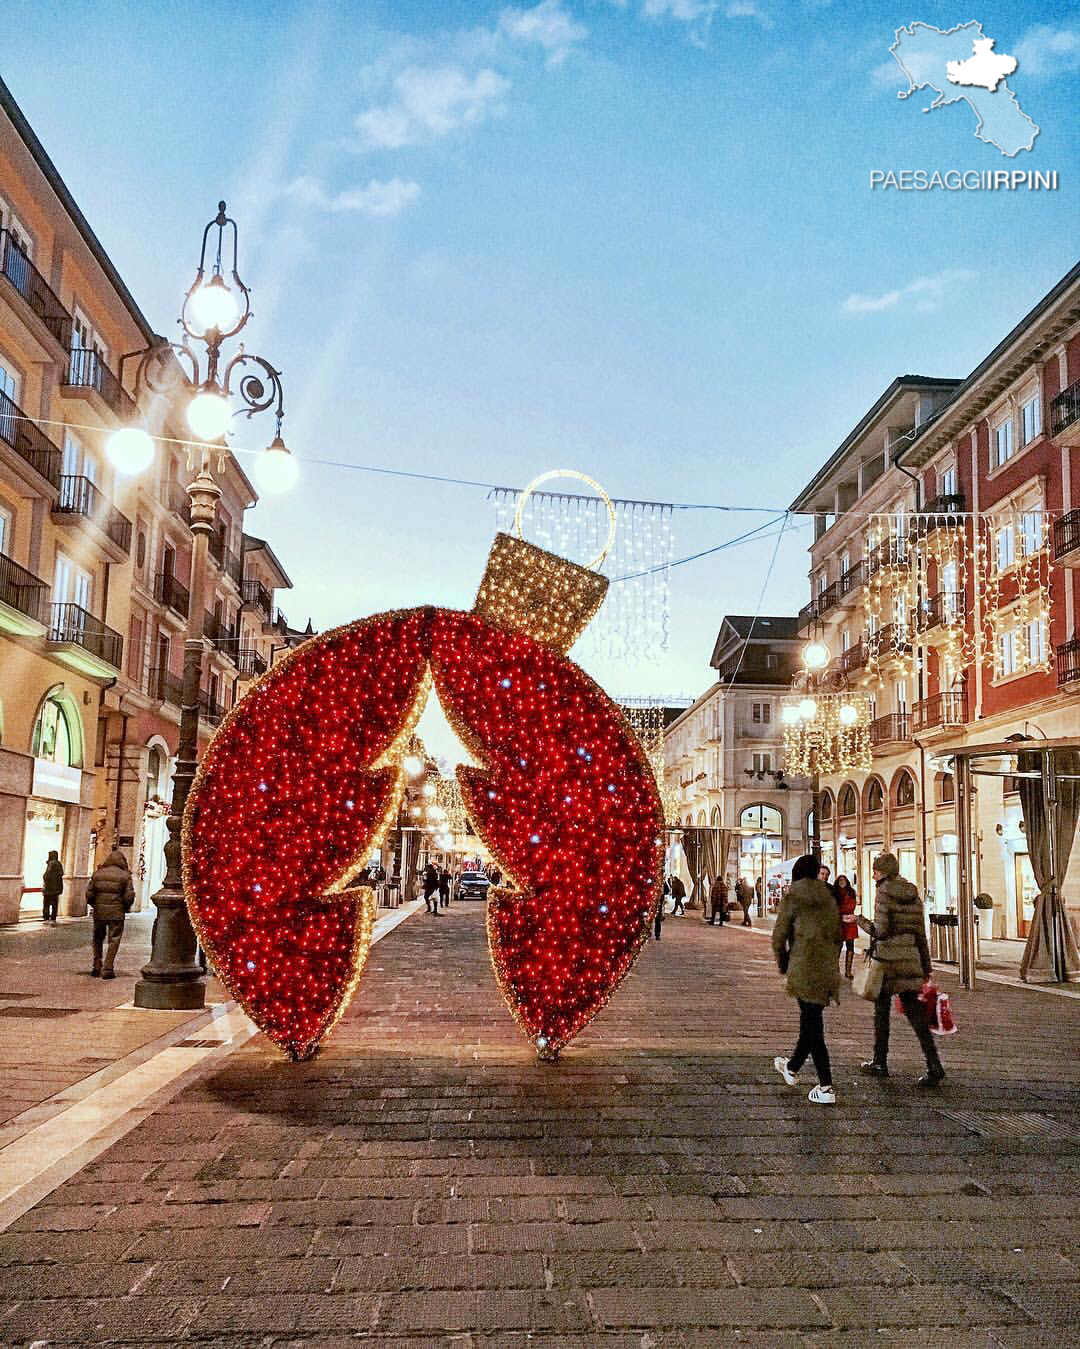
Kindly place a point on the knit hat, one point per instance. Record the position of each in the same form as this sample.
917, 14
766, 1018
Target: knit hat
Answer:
886, 865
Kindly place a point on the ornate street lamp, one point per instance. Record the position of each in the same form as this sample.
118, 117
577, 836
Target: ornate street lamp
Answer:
212, 312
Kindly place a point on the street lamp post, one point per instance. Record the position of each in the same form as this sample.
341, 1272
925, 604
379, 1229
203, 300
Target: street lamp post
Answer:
211, 313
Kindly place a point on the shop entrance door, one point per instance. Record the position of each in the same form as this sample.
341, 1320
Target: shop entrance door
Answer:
44, 832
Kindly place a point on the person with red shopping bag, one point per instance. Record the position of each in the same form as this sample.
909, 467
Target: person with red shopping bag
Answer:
898, 936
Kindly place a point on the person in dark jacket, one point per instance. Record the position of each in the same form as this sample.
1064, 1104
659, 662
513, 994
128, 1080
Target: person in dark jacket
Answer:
444, 888
110, 893
806, 943
898, 934
431, 888
678, 895
661, 908
52, 887
718, 902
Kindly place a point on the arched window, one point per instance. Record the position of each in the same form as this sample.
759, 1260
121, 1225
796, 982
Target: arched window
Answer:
714, 819
946, 789
826, 807
904, 789
875, 796
847, 802
58, 730
765, 819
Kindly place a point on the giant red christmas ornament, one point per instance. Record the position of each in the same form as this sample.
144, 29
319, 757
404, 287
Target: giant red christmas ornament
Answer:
303, 779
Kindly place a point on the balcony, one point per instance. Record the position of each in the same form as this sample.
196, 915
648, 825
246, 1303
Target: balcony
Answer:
250, 663
1067, 539
229, 562
81, 499
943, 710
892, 729
84, 642
29, 442
170, 592
35, 291
222, 638
854, 658
22, 600
210, 709
943, 512
279, 624
177, 500
891, 553
849, 583
1065, 416
892, 642
87, 373
1068, 664
946, 609
166, 687
256, 596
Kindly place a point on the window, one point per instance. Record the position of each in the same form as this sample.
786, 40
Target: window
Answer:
845, 643
905, 790
762, 713
1031, 418
71, 585
78, 461
826, 807
845, 562
766, 819
1005, 547
58, 731
822, 582
771, 661
1003, 442
762, 762
84, 336
136, 628
875, 796
947, 481
1007, 652
900, 692
1031, 532
946, 789
1035, 641
847, 801
7, 525
9, 383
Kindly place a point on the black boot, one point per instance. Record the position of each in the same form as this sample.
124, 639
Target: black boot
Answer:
874, 1069
933, 1077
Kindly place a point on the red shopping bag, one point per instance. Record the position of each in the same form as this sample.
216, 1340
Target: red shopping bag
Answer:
944, 1023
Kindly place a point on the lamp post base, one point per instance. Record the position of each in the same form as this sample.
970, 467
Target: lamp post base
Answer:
171, 981
171, 995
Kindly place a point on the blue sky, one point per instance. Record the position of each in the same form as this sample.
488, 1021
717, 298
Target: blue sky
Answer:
486, 240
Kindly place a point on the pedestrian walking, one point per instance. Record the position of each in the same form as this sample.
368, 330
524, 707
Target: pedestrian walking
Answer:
806, 943
743, 893
431, 888
661, 910
444, 888
678, 896
718, 901
846, 901
759, 895
898, 940
110, 893
52, 887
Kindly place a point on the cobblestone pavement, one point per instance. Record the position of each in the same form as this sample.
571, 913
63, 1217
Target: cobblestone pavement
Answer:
423, 1182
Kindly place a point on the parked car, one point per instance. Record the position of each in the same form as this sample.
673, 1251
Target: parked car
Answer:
472, 885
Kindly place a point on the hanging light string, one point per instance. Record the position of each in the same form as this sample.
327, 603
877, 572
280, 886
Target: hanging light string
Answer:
761, 596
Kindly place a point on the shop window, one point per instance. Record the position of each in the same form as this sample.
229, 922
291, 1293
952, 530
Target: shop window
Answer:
58, 732
765, 819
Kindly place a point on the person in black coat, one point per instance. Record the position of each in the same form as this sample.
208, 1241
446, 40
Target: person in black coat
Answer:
444, 888
678, 894
431, 888
110, 893
52, 887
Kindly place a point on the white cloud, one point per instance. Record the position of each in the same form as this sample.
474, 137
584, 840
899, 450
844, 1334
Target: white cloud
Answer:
380, 198
925, 292
429, 102
888, 75
686, 11
547, 25
1044, 50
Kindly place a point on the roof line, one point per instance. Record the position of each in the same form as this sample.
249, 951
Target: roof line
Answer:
67, 201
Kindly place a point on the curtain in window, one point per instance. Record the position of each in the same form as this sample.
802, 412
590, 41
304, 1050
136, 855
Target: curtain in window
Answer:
1051, 955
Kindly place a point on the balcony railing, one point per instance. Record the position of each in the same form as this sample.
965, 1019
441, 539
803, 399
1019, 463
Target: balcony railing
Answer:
28, 441
891, 641
851, 580
256, 594
1065, 409
944, 709
72, 623
80, 496
233, 566
87, 370
891, 552
893, 728
20, 589
34, 289
169, 591
1068, 662
941, 512
224, 639
166, 687
210, 709
1066, 535
250, 663
177, 500
943, 610
854, 658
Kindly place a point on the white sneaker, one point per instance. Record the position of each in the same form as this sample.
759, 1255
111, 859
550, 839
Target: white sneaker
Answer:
780, 1064
822, 1096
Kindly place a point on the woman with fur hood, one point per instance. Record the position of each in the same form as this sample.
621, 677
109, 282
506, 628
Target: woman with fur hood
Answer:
806, 942
898, 934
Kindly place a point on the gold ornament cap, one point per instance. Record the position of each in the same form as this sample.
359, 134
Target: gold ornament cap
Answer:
526, 589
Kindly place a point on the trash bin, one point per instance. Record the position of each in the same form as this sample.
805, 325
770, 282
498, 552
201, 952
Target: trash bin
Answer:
944, 937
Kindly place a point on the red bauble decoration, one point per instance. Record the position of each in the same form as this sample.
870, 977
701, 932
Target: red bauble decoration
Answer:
291, 799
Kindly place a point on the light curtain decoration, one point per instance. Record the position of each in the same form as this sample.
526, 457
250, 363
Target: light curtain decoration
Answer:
1013, 573
646, 717
825, 733
1051, 954
633, 624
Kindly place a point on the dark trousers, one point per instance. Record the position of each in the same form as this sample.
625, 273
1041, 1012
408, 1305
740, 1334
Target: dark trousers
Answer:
444, 898
114, 928
49, 905
811, 1043
657, 924
915, 1012
718, 914
679, 905
432, 901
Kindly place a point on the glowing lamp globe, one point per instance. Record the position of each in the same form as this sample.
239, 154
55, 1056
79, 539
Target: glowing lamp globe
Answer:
413, 765
815, 655
214, 306
130, 450
276, 470
848, 714
208, 415
789, 714
807, 709
428, 790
